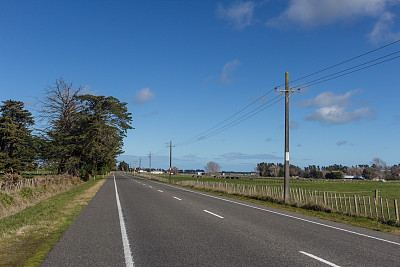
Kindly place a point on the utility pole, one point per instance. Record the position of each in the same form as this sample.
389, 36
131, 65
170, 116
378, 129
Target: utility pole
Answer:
140, 162
134, 167
150, 163
286, 189
170, 159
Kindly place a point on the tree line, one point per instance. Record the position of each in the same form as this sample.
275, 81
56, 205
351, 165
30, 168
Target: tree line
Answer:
80, 134
378, 169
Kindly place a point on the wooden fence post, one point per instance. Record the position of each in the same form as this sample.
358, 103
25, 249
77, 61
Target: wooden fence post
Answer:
387, 207
355, 204
396, 210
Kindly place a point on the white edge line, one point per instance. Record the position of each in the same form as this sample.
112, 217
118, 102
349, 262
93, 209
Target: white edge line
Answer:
287, 215
319, 259
213, 214
125, 241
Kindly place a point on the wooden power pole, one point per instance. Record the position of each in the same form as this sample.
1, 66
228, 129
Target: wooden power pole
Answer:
170, 159
150, 163
286, 188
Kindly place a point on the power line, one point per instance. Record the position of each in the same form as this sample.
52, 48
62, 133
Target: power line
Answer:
227, 119
239, 120
346, 70
216, 129
347, 73
343, 62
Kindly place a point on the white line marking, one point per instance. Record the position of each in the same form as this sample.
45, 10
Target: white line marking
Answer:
125, 241
286, 215
160, 191
318, 258
150, 186
214, 214
177, 198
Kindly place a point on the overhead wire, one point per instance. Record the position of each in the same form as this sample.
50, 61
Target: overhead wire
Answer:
225, 120
220, 127
347, 70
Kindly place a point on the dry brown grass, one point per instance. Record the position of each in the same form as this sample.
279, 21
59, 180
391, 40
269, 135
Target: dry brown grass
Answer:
20, 197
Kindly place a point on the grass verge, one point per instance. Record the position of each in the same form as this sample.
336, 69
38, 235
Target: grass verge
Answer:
27, 236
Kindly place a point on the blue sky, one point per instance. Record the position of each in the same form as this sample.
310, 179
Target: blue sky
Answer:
185, 66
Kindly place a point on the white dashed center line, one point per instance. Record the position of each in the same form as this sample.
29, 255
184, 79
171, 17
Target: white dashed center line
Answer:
319, 259
160, 191
216, 215
177, 198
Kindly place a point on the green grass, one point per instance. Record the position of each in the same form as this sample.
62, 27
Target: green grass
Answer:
27, 236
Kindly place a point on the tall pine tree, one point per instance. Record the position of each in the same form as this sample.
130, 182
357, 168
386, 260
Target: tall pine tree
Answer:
16, 140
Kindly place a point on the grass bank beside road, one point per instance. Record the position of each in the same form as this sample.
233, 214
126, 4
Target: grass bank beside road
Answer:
27, 236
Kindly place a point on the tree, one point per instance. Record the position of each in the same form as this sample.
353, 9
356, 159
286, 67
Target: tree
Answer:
212, 167
85, 132
368, 173
379, 167
60, 108
103, 123
16, 140
334, 175
123, 166
174, 170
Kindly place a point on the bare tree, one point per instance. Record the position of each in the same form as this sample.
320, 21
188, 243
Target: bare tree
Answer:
379, 167
60, 103
212, 167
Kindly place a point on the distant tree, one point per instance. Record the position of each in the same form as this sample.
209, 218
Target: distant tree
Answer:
174, 170
368, 173
312, 172
16, 141
379, 166
212, 167
334, 175
123, 166
294, 170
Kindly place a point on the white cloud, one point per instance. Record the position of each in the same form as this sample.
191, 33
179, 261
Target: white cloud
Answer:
334, 109
382, 30
227, 70
314, 13
329, 99
239, 14
144, 95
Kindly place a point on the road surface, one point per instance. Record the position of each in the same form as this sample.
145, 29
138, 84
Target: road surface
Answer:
136, 222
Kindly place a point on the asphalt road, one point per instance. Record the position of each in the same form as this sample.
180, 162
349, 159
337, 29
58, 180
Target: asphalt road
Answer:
163, 225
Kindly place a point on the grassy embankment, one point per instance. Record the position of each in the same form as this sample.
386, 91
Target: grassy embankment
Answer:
389, 190
27, 236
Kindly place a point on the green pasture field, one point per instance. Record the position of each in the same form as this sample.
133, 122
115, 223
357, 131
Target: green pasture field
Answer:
389, 190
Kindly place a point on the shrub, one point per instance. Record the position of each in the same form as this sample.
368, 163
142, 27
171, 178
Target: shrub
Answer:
334, 175
6, 199
26, 192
